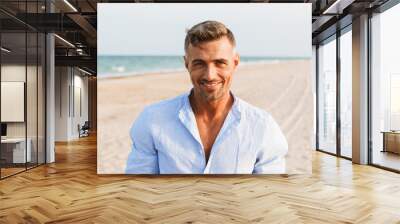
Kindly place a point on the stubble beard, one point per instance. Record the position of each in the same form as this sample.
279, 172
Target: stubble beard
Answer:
218, 94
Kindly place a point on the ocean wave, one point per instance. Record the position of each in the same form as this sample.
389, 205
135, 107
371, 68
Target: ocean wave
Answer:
138, 73
116, 66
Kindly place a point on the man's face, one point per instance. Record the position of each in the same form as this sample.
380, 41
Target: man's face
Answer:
211, 66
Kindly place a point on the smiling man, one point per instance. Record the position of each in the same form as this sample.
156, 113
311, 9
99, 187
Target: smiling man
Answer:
207, 130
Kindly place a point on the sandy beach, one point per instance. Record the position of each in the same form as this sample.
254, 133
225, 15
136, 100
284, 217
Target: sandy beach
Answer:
283, 88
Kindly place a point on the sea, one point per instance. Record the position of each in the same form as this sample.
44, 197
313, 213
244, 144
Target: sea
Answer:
117, 66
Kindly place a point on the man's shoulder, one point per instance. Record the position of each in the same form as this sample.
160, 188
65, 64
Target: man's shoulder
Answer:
253, 112
165, 107
158, 113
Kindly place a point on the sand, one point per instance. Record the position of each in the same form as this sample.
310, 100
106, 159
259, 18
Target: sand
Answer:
283, 88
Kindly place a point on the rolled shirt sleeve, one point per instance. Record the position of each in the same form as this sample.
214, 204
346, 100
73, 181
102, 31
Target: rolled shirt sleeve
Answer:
274, 147
143, 157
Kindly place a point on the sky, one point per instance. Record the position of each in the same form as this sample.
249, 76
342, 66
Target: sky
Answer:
260, 29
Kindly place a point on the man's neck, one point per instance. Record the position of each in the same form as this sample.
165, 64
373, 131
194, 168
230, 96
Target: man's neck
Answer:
211, 110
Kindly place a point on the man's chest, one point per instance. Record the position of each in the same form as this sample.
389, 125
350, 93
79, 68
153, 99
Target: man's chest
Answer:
230, 153
208, 132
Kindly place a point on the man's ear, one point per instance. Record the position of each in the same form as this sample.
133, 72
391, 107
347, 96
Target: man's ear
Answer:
236, 60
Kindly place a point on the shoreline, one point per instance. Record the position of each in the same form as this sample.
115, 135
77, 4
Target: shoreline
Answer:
243, 65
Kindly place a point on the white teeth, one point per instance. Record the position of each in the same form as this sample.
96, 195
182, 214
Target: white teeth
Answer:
210, 84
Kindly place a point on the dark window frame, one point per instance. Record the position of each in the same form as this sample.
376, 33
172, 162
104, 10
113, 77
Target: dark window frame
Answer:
334, 37
44, 78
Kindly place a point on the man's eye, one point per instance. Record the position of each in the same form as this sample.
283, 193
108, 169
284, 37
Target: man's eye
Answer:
197, 64
220, 63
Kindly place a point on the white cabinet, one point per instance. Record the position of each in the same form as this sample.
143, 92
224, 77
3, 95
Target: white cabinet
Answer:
18, 149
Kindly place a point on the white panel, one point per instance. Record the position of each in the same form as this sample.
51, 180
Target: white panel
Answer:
12, 101
77, 112
50, 99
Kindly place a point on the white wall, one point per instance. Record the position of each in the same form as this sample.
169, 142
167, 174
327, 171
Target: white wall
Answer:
81, 100
33, 126
62, 81
70, 83
15, 72
81, 82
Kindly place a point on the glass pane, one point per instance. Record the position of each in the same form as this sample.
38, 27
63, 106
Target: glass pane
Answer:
346, 94
386, 89
41, 98
395, 101
13, 87
32, 90
31, 100
327, 97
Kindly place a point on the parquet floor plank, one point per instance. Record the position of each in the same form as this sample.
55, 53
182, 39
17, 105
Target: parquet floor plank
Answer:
70, 191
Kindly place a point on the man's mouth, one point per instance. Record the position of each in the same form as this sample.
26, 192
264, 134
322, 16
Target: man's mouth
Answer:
210, 85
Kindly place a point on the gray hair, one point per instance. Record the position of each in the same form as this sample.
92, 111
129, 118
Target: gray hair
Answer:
207, 31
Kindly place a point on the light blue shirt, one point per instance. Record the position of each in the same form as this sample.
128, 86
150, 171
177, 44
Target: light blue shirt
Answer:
165, 140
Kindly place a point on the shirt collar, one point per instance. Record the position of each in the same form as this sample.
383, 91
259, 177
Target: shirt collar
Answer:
187, 118
236, 109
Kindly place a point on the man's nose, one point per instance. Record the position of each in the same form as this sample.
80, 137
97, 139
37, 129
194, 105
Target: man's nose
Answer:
211, 72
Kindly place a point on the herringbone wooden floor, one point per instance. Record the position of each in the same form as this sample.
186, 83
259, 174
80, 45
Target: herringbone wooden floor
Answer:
70, 191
